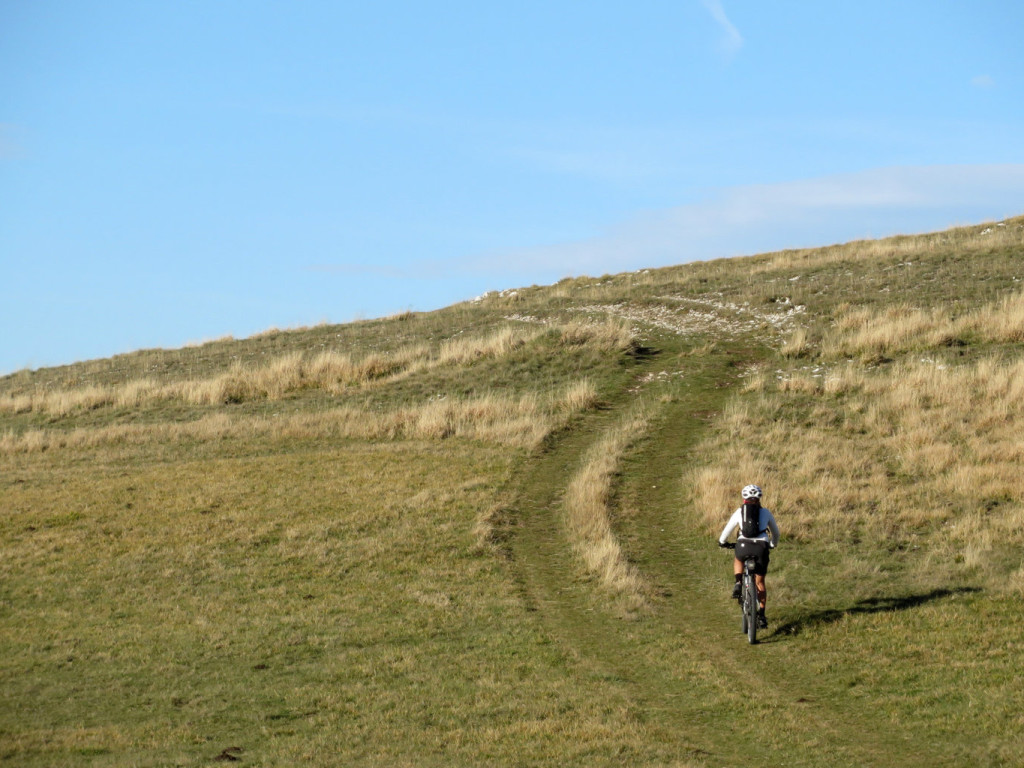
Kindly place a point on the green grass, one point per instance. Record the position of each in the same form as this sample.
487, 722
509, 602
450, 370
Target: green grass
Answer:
277, 596
213, 603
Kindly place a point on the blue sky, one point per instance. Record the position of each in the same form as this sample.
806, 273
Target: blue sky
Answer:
177, 171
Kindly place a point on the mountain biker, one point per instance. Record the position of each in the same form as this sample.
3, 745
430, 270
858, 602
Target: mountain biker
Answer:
757, 544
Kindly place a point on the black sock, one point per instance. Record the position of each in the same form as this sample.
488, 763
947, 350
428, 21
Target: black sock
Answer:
739, 577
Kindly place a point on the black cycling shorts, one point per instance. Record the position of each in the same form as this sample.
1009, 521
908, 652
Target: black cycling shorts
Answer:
756, 549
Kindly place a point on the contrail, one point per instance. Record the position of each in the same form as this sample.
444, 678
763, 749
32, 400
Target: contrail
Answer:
733, 39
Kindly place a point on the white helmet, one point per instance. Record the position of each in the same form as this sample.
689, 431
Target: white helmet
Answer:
751, 492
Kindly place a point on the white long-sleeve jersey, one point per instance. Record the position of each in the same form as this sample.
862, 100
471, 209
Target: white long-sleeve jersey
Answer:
766, 524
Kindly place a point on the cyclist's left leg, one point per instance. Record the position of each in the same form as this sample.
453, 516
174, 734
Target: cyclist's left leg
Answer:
759, 578
762, 599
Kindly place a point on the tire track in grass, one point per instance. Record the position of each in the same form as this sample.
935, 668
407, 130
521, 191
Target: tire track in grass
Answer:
693, 678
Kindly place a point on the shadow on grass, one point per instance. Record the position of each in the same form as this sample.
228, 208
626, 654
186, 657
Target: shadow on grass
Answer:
867, 606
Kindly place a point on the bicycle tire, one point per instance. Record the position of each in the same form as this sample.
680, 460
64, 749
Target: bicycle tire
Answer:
750, 609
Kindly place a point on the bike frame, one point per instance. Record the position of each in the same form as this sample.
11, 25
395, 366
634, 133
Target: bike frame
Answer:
748, 598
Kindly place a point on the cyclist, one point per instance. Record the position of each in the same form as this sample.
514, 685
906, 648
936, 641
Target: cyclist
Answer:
754, 542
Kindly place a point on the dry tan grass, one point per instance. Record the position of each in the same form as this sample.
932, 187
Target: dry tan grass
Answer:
962, 240
889, 454
515, 421
330, 371
498, 344
612, 334
588, 517
579, 396
60, 403
870, 334
999, 322
797, 345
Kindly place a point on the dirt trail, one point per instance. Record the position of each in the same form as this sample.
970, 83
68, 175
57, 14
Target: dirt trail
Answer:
686, 667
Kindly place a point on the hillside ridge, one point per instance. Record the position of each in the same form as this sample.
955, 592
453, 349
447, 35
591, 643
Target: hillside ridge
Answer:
485, 534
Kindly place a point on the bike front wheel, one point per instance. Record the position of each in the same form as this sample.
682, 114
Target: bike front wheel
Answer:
750, 610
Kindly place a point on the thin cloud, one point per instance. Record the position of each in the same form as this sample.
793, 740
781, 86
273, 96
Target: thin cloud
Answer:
760, 218
611, 165
984, 82
733, 40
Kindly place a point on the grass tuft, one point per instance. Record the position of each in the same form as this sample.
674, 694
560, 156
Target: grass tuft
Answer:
589, 515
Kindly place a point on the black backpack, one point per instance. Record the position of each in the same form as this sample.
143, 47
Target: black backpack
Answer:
750, 519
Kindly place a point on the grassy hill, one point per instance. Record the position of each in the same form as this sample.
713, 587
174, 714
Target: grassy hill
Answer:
485, 535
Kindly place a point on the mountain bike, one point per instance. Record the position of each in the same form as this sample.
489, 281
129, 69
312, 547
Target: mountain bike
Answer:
748, 597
